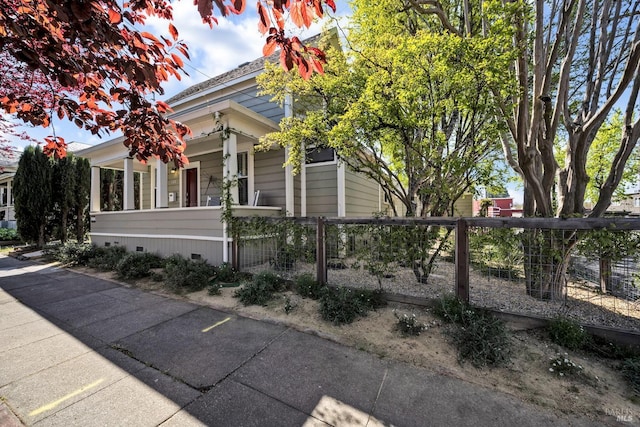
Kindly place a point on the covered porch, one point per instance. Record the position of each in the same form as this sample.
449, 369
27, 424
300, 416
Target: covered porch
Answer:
166, 210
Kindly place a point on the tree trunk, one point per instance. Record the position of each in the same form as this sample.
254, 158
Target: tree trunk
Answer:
80, 225
546, 262
605, 276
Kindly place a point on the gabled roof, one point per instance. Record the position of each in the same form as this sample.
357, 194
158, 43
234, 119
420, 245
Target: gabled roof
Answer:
243, 70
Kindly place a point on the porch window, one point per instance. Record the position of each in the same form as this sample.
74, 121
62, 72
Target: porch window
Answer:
243, 178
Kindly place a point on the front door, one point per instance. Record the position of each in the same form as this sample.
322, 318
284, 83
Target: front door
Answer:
192, 187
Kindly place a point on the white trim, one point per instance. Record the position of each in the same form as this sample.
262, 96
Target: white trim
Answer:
162, 184
95, 189
161, 236
289, 186
303, 182
251, 185
258, 208
341, 184
128, 194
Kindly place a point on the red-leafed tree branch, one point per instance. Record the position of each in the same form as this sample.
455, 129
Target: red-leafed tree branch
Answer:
90, 62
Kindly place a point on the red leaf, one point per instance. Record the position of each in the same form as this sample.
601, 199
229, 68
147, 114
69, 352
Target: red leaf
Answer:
173, 31
296, 13
331, 4
263, 24
270, 46
114, 16
204, 8
177, 60
238, 6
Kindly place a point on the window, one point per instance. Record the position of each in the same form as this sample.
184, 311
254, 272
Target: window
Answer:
320, 155
636, 202
243, 178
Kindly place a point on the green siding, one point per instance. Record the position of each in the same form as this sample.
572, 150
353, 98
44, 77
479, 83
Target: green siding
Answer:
361, 195
269, 178
322, 190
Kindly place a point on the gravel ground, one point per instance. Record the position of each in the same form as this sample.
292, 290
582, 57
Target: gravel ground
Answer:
582, 302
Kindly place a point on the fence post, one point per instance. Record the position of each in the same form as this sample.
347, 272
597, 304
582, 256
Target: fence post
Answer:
462, 260
321, 253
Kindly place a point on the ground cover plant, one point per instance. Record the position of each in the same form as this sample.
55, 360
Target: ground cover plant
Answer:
261, 289
343, 305
480, 337
136, 265
184, 275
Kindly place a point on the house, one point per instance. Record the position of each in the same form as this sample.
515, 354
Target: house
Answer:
497, 207
179, 210
629, 206
8, 168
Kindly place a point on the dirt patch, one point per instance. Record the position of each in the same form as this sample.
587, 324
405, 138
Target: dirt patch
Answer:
599, 392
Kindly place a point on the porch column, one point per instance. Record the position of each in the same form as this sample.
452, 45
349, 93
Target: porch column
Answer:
9, 201
230, 168
303, 181
95, 189
162, 194
128, 202
342, 199
289, 189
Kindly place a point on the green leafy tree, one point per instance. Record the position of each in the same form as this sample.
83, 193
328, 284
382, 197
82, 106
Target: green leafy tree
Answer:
82, 195
404, 105
33, 194
64, 194
603, 152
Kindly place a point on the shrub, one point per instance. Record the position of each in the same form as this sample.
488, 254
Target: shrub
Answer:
631, 372
562, 366
7, 234
214, 288
408, 325
482, 339
260, 290
183, 275
136, 265
72, 253
343, 305
107, 258
567, 333
226, 273
451, 309
309, 287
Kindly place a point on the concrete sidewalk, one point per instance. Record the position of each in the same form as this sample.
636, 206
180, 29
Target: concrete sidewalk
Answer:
76, 350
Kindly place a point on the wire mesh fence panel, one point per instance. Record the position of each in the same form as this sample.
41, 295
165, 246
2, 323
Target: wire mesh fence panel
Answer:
282, 245
590, 275
406, 258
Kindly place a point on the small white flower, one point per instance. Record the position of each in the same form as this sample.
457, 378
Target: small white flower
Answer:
550, 369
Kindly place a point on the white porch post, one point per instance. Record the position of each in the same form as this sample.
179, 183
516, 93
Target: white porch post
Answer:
95, 189
162, 195
230, 169
342, 200
229, 172
9, 201
128, 202
303, 181
289, 188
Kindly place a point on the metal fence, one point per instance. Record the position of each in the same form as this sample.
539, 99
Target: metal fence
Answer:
582, 268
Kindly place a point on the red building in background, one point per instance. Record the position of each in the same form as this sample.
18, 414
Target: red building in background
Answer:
498, 207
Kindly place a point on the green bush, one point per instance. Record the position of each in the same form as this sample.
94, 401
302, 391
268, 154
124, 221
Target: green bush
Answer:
408, 325
106, 258
135, 265
7, 234
309, 287
183, 275
482, 339
72, 253
567, 333
260, 290
451, 309
631, 372
343, 305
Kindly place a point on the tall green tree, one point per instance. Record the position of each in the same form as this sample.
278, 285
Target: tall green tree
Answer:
82, 195
64, 193
33, 195
405, 105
